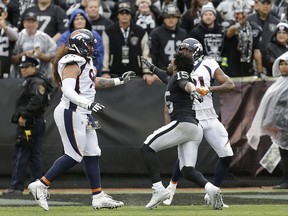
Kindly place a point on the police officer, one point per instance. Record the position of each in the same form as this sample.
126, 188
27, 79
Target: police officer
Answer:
28, 116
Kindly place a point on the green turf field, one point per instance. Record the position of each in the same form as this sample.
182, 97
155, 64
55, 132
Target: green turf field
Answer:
242, 202
235, 210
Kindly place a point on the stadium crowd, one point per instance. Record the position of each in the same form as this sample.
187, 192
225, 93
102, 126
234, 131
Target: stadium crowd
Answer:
243, 36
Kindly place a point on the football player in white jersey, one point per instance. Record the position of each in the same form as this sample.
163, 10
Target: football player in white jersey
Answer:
75, 74
205, 71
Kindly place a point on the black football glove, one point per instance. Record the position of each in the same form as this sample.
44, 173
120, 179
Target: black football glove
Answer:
195, 95
148, 64
96, 107
127, 76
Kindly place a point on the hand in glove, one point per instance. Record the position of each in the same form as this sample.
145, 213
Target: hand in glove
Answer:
262, 76
147, 63
203, 90
195, 95
96, 107
127, 76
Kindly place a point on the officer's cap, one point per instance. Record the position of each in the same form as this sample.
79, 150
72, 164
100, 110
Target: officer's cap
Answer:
27, 61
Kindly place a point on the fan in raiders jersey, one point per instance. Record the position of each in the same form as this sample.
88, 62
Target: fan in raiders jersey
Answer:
242, 44
52, 18
75, 74
184, 131
205, 72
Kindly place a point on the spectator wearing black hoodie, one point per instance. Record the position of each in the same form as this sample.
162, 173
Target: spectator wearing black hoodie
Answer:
209, 33
80, 20
277, 46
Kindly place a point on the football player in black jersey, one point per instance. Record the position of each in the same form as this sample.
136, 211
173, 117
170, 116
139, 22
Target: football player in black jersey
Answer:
183, 131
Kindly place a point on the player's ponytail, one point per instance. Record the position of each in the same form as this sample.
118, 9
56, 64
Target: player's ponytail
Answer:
62, 50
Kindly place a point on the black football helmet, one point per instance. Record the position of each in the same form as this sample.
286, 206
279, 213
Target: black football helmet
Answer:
79, 41
193, 46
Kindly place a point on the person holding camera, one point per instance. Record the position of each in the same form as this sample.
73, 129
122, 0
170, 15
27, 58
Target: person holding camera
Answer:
30, 107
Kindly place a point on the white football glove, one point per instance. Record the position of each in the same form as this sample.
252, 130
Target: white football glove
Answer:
148, 64
127, 76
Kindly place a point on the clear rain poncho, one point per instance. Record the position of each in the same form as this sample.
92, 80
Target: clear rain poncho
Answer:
272, 114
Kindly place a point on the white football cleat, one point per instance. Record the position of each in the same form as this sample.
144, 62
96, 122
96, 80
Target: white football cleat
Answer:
103, 200
208, 202
158, 196
40, 193
171, 191
215, 198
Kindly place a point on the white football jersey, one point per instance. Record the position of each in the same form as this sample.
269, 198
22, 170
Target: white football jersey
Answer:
85, 85
204, 74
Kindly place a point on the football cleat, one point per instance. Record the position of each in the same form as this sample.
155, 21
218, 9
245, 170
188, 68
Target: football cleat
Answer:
216, 198
158, 196
40, 193
103, 200
208, 202
171, 191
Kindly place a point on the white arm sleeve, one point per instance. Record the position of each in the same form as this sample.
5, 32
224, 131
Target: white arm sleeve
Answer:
68, 85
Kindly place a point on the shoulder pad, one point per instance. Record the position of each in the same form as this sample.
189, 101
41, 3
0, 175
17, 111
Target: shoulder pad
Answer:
69, 58
209, 62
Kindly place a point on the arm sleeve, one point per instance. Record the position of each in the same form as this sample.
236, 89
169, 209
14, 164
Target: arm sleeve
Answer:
68, 89
161, 74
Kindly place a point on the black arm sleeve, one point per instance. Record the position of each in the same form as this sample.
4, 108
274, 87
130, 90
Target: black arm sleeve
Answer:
161, 74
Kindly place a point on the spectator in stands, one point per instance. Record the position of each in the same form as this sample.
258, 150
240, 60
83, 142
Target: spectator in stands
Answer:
52, 18
34, 43
242, 44
165, 39
157, 8
8, 37
13, 9
28, 116
104, 8
225, 8
98, 22
144, 16
271, 117
124, 44
80, 20
277, 46
192, 17
264, 18
209, 33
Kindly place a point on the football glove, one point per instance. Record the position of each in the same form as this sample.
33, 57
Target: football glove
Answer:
203, 90
195, 95
127, 76
96, 107
147, 63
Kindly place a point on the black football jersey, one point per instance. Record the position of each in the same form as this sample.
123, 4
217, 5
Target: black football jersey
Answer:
178, 101
51, 21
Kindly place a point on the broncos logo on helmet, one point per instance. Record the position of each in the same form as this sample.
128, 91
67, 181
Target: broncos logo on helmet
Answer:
193, 46
79, 41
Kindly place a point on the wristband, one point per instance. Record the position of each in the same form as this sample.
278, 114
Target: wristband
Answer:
118, 81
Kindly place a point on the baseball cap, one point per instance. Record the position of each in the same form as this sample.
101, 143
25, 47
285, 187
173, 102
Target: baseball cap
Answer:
124, 6
262, 1
31, 16
27, 61
208, 7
